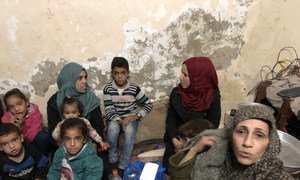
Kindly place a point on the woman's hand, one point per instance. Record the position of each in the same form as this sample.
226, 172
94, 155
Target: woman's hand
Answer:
177, 144
204, 143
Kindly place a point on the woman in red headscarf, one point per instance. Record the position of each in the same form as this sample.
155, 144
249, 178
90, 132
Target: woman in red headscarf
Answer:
197, 97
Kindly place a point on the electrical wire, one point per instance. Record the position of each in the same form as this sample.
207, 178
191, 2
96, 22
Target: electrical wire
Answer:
292, 67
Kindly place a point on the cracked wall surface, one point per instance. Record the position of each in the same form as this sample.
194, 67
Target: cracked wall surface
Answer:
38, 38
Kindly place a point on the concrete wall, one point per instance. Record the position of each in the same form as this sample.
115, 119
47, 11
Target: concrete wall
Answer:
39, 37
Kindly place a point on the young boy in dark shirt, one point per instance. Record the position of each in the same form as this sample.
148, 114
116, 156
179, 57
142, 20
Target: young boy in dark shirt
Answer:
18, 159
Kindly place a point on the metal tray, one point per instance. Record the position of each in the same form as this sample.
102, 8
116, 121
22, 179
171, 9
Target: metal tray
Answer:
290, 152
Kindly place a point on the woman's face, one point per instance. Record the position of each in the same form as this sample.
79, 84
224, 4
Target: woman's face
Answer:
184, 77
81, 83
250, 141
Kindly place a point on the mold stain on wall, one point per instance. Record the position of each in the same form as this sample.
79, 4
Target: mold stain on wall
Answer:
155, 57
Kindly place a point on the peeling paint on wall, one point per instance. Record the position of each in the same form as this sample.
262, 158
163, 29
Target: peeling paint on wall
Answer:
155, 57
46, 75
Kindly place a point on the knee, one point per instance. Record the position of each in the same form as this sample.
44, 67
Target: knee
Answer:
113, 128
42, 136
131, 129
130, 132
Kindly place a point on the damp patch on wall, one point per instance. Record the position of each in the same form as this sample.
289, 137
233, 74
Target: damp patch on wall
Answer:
155, 56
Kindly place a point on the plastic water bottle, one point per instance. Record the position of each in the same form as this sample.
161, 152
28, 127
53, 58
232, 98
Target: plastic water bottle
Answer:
114, 175
132, 176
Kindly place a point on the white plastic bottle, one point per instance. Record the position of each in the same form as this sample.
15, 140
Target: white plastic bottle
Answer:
114, 175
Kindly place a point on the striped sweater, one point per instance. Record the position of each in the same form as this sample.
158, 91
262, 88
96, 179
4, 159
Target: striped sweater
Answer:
118, 106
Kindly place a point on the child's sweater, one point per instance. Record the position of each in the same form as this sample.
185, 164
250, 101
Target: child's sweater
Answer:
32, 122
118, 106
85, 165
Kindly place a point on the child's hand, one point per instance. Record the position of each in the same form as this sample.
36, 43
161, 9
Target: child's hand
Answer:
131, 118
17, 119
104, 146
177, 144
123, 124
126, 121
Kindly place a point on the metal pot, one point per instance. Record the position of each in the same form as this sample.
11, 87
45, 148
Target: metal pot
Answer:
290, 152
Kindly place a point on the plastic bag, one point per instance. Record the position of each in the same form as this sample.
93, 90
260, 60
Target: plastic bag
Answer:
134, 170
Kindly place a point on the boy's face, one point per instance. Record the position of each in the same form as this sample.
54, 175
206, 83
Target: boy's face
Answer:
71, 111
120, 75
73, 141
11, 144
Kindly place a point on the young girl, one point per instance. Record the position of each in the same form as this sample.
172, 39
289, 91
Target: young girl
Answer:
72, 108
27, 117
76, 153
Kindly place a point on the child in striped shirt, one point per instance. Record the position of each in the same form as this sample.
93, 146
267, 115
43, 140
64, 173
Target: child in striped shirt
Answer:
125, 104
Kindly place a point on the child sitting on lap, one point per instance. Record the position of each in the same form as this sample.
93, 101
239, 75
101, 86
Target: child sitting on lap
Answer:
72, 108
192, 128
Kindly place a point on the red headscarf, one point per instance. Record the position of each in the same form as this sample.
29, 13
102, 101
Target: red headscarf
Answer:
203, 81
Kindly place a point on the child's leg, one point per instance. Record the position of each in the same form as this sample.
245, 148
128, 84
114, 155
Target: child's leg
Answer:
42, 143
112, 137
130, 134
106, 165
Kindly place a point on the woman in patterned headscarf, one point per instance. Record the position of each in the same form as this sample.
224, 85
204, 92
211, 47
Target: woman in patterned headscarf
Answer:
248, 149
196, 97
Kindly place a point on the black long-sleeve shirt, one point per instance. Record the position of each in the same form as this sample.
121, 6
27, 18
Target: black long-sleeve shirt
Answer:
178, 114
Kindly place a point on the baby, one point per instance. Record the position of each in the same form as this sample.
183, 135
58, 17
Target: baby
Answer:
72, 108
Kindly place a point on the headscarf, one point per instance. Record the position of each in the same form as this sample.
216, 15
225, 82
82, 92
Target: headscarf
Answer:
252, 110
66, 82
268, 166
203, 81
219, 162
